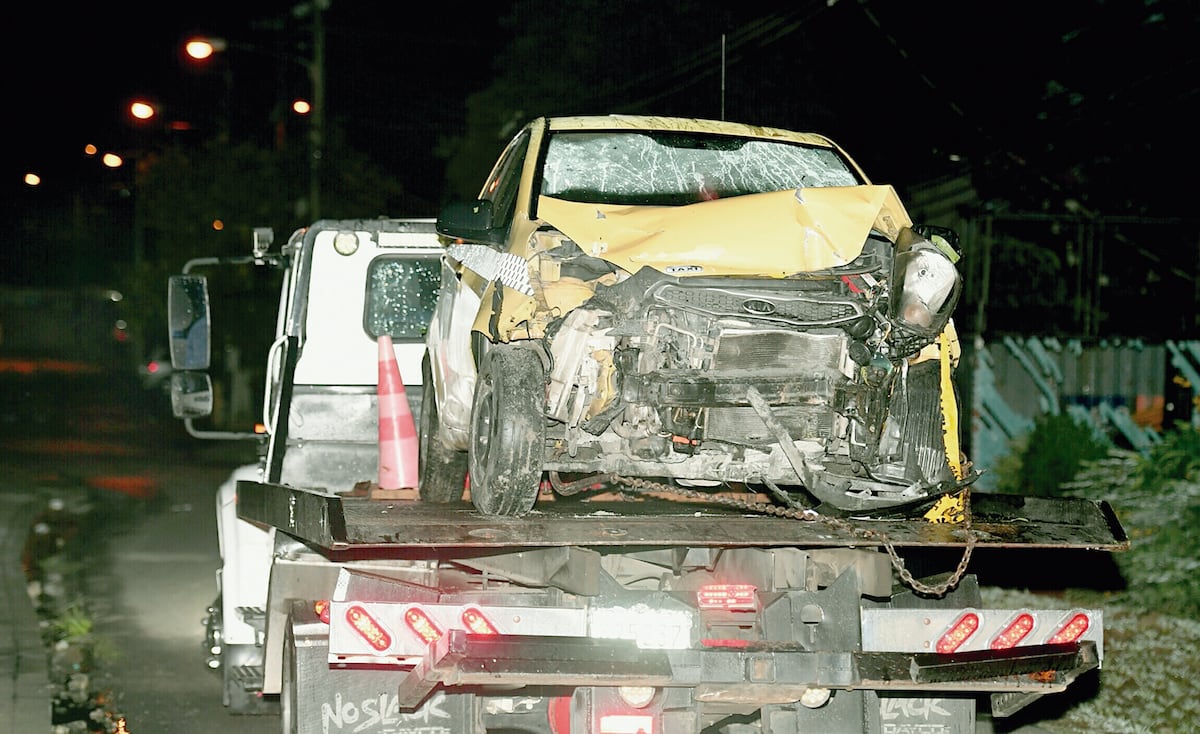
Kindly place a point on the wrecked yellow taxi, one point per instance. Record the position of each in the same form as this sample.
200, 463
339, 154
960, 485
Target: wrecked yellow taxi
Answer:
689, 303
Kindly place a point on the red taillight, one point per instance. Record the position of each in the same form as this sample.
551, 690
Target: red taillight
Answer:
958, 633
370, 630
731, 597
558, 713
626, 724
1016, 631
152, 367
1072, 630
321, 609
476, 623
420, 623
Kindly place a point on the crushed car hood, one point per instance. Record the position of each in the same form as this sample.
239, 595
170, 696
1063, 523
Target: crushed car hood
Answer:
774, 234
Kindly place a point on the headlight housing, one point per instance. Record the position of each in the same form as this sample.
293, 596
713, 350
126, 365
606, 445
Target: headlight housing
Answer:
925, 287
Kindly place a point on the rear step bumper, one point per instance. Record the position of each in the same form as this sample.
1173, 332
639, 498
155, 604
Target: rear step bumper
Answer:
754, 674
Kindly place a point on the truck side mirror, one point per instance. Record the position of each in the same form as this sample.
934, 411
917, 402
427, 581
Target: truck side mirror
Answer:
191, 395
187, 315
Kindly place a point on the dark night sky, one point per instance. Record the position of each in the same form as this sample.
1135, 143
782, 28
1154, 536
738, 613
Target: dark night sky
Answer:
1048, 85
979, 76
73, 67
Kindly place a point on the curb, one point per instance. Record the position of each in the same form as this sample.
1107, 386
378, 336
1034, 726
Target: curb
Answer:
25, 691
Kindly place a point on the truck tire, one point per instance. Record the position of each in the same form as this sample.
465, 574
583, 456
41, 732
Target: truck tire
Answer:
443, 470
508, 431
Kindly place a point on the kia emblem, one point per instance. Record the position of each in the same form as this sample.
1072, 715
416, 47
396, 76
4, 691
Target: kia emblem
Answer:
758, 307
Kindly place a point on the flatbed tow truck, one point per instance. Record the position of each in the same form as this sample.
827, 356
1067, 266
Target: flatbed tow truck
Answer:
740, 574
617, 605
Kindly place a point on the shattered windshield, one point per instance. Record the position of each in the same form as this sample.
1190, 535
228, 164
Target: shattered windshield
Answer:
672, 168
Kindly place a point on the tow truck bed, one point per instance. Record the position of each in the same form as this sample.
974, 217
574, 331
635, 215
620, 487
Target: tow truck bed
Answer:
337, 522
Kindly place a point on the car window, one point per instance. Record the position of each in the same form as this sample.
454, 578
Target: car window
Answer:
401, 294
672, 169
501, 188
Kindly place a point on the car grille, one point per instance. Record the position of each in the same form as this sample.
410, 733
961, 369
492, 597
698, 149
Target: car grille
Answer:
780, 306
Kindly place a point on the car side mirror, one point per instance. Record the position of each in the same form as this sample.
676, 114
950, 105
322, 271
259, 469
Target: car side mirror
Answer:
470, 221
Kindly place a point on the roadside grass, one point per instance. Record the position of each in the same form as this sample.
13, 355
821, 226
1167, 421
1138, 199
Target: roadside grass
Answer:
59, 555
1150, 680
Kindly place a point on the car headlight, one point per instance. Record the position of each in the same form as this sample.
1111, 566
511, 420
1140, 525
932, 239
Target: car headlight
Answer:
925, 287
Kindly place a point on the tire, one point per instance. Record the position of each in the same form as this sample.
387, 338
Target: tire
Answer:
443, 470
288, 703
508, 431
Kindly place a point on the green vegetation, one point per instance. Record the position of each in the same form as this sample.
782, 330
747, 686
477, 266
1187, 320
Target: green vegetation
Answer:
1152, 623
1047, 457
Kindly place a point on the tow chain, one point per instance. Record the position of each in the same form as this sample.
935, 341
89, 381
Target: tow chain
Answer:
807, 514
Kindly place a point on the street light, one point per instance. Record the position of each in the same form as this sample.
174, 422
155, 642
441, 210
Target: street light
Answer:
202, 48
141, 110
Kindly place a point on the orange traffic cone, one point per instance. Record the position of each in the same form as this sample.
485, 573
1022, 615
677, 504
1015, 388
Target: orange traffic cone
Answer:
397, 433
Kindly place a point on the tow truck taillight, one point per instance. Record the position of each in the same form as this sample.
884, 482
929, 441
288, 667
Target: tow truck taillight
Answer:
321, 609
729, 597
1072, 630
420, 623
959, 632
1014, 632
476, 623
370, 629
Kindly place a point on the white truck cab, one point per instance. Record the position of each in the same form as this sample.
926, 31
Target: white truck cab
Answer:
345, 283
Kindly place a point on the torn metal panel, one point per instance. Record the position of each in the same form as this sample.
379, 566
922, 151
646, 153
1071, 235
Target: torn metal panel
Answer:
771, 234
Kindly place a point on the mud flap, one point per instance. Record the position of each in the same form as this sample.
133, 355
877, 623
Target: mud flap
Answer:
858, 712
330, 700
900, 715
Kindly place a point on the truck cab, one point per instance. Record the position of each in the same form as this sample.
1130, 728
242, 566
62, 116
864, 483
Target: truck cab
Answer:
344, 284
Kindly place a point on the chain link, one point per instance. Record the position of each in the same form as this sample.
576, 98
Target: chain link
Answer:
807, 514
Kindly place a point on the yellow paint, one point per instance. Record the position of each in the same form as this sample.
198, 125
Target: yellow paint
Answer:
774, 234
949, 509
949, 404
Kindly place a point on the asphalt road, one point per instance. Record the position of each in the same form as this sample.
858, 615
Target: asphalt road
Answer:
149, 551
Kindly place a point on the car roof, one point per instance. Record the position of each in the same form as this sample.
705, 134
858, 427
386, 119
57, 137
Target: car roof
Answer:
683, 124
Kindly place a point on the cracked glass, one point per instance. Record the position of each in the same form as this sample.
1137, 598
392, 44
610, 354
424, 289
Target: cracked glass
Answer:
673, 169
401, 294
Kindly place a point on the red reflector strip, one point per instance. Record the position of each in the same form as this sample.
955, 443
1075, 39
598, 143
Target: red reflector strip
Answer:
321, 609
743, 597
476, 623
419, 622
626, 724
715, 642
1012, 635
958, 633
1072, 630
370, 630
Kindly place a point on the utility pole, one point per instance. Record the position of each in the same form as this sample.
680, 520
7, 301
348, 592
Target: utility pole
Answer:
316, 131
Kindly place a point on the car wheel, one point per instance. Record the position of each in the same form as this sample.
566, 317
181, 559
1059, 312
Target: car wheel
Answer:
443, 470
508, 431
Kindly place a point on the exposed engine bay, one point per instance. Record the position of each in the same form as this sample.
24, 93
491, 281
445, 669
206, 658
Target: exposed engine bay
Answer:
816, 380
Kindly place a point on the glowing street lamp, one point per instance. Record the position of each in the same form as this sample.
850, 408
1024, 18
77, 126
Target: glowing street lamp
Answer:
203, 48
142, 110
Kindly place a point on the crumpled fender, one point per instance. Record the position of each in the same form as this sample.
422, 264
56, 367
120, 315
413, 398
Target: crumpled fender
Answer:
501, 311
